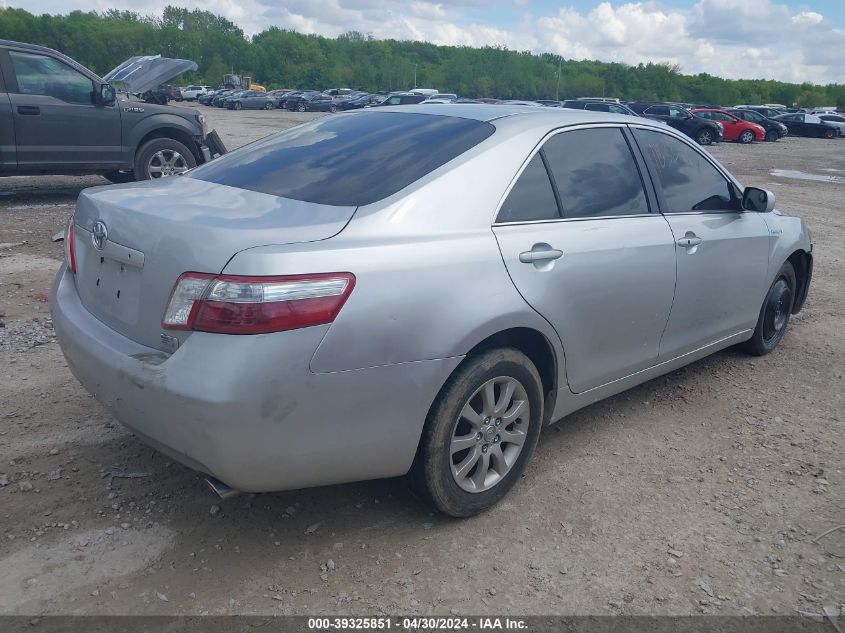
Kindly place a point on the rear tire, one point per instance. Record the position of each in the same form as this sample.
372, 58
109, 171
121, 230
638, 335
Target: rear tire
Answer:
774, 314
480, 432
301, 108
829, 133
704, 136
268, 105
239, 105
771, 136
746, 137
162, 157
333, 109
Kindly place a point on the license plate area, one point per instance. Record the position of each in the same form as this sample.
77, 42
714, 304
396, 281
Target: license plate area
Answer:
115, 287
109, 280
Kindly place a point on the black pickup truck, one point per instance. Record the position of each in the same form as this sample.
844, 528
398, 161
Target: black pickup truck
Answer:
57, 117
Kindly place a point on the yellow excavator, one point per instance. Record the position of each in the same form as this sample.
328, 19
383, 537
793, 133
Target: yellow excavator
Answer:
241, 82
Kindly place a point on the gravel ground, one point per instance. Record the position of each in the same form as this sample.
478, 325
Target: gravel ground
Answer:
704, 491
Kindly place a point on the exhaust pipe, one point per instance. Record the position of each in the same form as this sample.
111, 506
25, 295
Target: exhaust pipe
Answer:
220, 489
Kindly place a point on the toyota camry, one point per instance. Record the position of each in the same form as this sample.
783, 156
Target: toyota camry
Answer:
401, 290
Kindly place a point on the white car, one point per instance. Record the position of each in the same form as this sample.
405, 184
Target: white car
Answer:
192, 93
834, 119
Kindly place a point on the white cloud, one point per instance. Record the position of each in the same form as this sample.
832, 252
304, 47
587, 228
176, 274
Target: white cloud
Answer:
728, 38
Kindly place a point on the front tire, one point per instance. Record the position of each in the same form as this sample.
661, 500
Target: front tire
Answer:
771, 136
162, 157
480, 432
829, 133
268, 105
774, 314
333, 109
746, 137
704, 136
239, 105
301, 108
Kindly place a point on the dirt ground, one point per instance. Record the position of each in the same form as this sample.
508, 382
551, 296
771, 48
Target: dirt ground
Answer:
704, 491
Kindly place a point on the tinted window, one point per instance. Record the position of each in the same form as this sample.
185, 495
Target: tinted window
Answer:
531, 197
687, 180
595, 173
615, 109
42, 75
598, 107
347, 160
657, 111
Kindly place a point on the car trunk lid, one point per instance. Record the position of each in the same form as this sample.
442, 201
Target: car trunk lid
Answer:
133, 241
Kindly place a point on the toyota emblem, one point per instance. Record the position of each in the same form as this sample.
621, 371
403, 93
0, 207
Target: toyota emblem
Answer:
99, 235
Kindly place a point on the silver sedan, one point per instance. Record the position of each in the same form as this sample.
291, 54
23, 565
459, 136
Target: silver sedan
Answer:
400, 289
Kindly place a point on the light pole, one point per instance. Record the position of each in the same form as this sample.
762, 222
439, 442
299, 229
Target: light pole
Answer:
415, 75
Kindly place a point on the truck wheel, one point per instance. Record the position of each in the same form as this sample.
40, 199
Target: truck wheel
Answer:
118, 177
162, 157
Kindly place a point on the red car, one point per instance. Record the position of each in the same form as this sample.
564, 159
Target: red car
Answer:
736, 129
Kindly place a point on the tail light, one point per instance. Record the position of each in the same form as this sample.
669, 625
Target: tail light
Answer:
234, 304
70, 247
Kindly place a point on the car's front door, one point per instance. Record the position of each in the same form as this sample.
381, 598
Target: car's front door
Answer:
722, 251
58, 124
586, 251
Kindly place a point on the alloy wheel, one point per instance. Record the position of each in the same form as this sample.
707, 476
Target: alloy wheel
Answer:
489, 434
166, 162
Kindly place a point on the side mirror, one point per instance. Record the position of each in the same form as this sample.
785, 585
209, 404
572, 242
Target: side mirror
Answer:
107, 95
758, 200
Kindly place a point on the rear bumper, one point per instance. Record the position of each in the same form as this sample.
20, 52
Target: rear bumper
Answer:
246, 409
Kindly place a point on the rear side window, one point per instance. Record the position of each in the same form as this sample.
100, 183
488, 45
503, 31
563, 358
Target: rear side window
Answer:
531, 197
686, 179
595, 173
347, 160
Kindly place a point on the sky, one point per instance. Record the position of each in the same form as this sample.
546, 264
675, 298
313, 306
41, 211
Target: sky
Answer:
750, 39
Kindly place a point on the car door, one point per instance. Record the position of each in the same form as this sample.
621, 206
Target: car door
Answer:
722, 251
584, 248
57, 123
8, 154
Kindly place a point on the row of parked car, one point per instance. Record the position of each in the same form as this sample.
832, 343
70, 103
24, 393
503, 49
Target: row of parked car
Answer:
705, 123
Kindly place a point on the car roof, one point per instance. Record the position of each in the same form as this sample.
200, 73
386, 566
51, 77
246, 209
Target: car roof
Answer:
518, 115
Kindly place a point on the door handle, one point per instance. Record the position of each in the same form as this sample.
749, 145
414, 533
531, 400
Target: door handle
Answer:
689, 240
31, 110
529, 257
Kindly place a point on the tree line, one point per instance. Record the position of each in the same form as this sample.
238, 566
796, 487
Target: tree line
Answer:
280, 58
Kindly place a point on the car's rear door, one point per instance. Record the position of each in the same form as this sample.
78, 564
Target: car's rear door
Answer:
57, 123
722, 251
586, 251
8, 154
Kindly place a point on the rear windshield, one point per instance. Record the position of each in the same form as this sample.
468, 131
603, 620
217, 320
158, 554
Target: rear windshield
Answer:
347, 160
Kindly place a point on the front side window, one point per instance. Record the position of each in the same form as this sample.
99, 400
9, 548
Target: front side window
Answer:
677, 113
595, 173
687, 181
658, 111
43, 75
348, 160
531, 197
